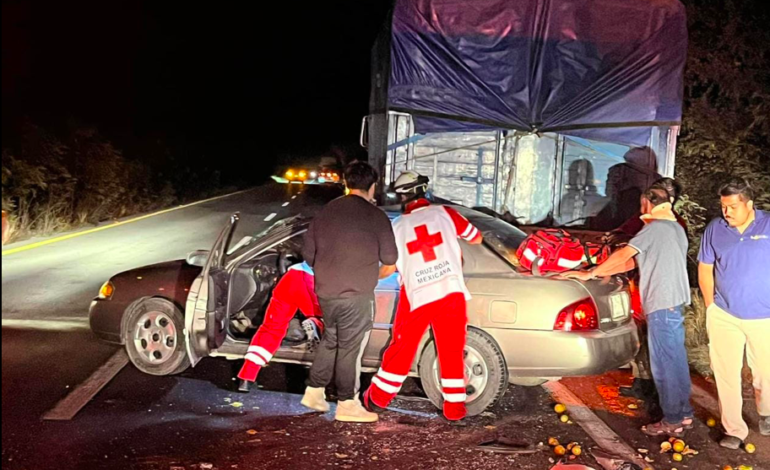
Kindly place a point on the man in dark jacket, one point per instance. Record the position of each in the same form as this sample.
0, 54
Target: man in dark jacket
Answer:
349, 245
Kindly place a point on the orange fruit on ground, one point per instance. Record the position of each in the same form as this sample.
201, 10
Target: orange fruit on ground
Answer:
577, 450
564, 418
679, 445
553, 442
559, 408
677, 457
750, 448
727, 467
559, 450
711, 422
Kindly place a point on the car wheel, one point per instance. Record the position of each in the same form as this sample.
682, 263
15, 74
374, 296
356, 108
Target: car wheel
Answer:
485, 369
154, 338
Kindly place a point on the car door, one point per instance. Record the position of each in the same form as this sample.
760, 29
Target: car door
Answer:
385, 305
206, 309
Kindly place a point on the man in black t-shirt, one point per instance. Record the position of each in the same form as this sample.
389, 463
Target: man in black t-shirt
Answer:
350, 244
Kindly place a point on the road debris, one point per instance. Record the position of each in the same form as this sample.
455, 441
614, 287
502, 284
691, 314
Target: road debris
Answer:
504, 445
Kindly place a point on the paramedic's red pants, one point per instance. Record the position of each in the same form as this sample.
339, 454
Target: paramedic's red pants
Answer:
294, 291
448, 319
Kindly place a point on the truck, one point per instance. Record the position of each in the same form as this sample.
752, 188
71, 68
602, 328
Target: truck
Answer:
551, 113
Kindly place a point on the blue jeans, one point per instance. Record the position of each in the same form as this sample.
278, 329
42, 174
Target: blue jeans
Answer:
668, 360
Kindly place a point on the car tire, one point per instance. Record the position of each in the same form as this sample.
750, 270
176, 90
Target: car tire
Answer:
485, 367
154, 337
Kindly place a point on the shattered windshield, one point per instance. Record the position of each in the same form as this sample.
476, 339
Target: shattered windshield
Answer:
247, 241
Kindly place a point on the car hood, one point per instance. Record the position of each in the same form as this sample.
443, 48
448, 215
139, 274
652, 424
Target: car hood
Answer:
171, 280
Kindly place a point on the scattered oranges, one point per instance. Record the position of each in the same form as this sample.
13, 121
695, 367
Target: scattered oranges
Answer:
564, 418
711, 422
553, 442
750, 448
559, 408
679, 445
727, 467
559, 450
677, 457
577, 450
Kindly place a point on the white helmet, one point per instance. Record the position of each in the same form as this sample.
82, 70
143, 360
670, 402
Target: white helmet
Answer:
411, 182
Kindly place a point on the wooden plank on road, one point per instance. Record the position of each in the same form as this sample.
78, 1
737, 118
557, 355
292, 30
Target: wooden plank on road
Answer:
70, 405
597, 429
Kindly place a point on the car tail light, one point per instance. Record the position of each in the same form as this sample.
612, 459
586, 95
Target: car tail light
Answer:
580, 316
636, 299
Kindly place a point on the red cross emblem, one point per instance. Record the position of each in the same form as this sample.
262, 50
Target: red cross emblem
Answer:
425, 243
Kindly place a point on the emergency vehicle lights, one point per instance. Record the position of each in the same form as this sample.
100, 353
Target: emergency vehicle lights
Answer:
580, 316
107, 290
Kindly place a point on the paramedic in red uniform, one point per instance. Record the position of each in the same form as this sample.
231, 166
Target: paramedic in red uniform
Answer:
295, 291
433, 294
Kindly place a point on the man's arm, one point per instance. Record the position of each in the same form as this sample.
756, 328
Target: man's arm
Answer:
388, 249
619, 262
465, 230
308, 247
706, 282
706, 259
387, 271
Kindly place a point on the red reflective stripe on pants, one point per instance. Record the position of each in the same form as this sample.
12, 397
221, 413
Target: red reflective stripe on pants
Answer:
449, 321
294, 291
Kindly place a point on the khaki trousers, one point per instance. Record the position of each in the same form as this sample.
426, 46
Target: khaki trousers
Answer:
729, 338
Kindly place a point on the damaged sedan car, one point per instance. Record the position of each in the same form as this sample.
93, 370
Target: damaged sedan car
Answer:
523, 329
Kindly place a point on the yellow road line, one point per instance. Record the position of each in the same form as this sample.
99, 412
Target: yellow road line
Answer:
62, 238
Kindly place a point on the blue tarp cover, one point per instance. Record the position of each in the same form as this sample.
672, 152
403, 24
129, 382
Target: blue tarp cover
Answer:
601, 69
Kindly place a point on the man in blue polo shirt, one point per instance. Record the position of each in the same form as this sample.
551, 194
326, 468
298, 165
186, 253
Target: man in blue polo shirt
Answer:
734, 277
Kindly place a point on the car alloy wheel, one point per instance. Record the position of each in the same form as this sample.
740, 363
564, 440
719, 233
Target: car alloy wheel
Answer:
476, 373
155, 337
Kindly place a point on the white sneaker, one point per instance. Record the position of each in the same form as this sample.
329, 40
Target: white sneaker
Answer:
315, 399
351, 411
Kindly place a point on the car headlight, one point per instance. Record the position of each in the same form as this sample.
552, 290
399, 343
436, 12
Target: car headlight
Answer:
290, 174
313, 174
107, 290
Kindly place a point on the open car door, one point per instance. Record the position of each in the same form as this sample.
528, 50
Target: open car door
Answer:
206, 310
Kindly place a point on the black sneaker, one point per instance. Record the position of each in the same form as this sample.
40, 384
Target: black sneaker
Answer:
370, 405
244, 386
641, 388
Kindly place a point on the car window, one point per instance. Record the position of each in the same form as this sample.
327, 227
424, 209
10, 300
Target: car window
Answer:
247, 242
499, 235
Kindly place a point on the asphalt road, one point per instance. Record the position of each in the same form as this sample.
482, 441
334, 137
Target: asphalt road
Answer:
47, 348
196, 421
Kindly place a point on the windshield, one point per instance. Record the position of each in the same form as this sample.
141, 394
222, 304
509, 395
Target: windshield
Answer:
243, 245
499, 235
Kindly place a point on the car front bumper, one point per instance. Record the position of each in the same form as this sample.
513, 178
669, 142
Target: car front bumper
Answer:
555, 354
105, 318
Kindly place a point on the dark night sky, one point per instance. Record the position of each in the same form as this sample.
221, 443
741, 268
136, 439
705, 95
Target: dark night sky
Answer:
281, 77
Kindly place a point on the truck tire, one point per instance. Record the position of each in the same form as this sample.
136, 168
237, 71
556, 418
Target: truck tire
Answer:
154, 337
485, 369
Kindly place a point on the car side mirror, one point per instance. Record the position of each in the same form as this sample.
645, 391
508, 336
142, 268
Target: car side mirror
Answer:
198, 258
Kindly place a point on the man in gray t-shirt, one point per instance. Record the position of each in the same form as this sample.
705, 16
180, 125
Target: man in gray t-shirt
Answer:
661, 248
660, 251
